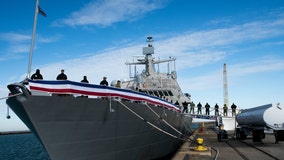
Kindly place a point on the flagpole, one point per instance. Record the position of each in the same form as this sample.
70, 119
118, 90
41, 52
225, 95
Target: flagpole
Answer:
32, 42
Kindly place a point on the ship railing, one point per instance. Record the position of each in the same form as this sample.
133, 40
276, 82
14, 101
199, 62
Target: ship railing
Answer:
220, 112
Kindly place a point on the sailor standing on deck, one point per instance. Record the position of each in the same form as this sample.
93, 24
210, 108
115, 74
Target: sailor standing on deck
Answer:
233, 107
207, 106
85, 80
37, 75
62, 76
177, 104
104, 82
192, 105
118, 84
185, 107
216, 110
199, 106
225, 108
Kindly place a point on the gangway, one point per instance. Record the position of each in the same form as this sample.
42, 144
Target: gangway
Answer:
197, 118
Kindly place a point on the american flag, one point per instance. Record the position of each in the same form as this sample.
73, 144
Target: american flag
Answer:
41, 12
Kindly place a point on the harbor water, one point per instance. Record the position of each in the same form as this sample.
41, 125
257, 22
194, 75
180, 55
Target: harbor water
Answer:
21, 147
27, 147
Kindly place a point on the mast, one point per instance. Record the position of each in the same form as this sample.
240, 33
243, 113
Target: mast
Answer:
148, 60
148, 51
32, 42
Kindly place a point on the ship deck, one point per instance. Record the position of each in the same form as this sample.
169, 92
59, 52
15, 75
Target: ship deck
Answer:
229, 148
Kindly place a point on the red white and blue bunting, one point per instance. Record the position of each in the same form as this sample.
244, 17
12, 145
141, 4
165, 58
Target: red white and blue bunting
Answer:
71, 87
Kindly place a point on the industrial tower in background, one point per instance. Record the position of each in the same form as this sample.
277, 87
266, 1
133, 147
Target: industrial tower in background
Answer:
225, 83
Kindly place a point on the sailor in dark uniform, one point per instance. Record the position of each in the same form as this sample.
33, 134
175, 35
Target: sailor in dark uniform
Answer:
62, 76
185, 107
85, 80
104, 82
37, 75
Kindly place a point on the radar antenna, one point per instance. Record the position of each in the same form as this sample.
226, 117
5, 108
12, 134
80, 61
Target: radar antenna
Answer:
149, 40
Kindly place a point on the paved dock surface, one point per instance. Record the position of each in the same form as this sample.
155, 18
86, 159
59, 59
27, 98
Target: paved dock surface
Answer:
230, 148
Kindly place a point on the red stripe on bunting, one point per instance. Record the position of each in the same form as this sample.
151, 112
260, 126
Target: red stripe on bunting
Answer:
101, 94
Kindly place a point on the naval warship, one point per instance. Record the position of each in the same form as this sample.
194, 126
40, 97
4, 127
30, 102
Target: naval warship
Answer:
75, 120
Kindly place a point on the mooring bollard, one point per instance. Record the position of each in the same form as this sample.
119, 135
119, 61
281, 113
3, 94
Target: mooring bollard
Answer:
200, 146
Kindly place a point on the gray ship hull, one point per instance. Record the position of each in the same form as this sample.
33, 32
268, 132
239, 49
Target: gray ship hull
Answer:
95, 128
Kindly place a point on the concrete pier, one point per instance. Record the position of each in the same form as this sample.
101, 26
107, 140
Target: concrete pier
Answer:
220, 149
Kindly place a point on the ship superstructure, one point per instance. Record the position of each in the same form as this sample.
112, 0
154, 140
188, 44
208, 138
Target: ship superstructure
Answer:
153, 82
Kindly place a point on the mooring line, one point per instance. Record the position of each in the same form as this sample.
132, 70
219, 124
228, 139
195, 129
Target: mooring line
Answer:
163, 120
171, 125
14, 95
151, 124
